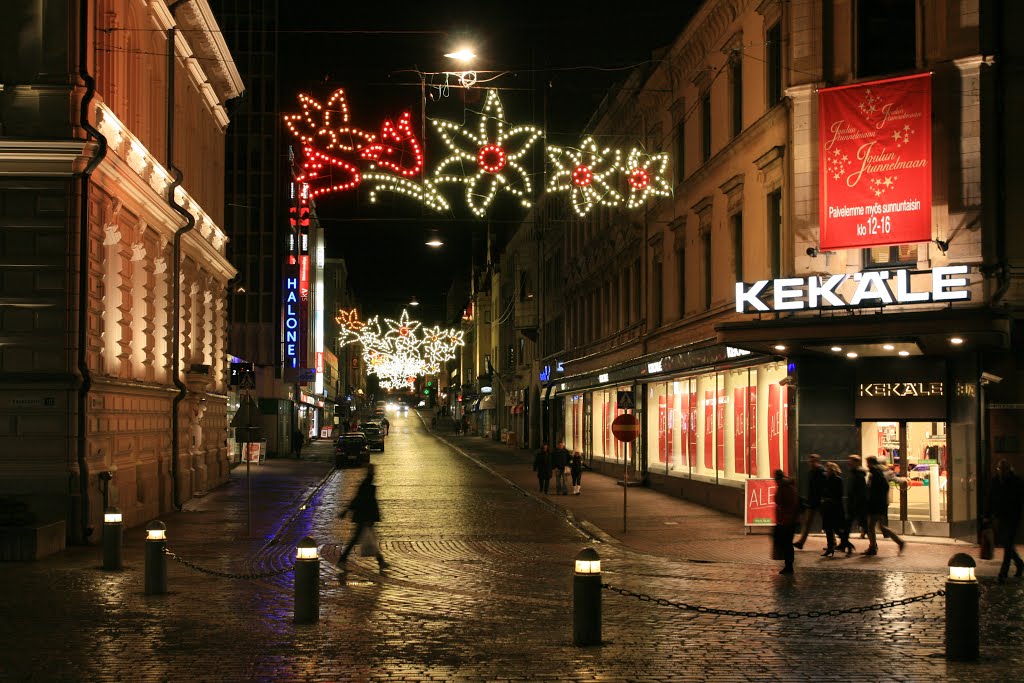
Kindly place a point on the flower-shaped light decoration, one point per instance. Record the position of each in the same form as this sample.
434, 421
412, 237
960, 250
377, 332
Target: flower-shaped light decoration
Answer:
487, 159
397, 160
585, 174
325, 134
645, 175
349, 320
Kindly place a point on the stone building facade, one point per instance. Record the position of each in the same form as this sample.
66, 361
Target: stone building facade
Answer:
111, 201
724, 396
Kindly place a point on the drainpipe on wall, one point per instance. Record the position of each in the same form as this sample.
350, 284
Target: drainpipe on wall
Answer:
190, 223
83, 266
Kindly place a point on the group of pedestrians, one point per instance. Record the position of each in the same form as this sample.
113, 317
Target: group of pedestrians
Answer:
547, 463
837, 506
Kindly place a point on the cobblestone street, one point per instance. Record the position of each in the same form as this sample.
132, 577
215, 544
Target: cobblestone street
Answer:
479, 589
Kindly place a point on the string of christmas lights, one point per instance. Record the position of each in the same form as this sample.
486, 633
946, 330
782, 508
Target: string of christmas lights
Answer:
402, 351
486, 154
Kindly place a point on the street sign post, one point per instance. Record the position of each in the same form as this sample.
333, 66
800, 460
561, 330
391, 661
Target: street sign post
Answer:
625, 428
626, 400
247, 429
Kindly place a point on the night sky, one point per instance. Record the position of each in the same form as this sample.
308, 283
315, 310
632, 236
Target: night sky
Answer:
552, 61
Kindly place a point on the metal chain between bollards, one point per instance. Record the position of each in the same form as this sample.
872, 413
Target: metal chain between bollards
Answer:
812, 614
226, 575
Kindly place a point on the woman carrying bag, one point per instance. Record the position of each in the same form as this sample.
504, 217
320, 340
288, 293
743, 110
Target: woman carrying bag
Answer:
365, 513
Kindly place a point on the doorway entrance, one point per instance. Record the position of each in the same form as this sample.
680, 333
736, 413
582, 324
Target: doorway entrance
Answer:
918, 453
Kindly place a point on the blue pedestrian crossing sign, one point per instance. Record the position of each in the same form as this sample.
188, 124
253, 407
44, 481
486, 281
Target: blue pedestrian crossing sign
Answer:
626, 401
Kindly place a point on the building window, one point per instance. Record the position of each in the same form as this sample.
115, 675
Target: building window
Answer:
681, 280
706, 245
613, 314
637, 287
681, 151
736, 81
627, 317
897, 255
737, 245
892, 23
774, 64
656, 292
705, 127
775, 232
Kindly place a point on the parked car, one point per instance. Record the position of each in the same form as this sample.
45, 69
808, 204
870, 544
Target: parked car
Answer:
374, 435
351, 448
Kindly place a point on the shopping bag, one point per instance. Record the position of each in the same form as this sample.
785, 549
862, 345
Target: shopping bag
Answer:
368, 543
987, 542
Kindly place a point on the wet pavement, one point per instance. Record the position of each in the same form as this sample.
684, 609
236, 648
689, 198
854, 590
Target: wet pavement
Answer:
480, 588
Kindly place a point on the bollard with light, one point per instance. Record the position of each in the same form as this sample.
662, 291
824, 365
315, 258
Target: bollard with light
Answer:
586, 599
962, 614
113, 538
156, 560
307, 582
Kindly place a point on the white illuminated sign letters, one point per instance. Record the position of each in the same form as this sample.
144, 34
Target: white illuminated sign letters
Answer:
873, 288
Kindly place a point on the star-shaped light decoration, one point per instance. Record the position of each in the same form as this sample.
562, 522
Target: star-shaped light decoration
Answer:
325, 134
487, 159
645, 174
584, 173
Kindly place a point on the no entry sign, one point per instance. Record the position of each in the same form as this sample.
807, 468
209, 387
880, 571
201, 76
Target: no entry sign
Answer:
626, 427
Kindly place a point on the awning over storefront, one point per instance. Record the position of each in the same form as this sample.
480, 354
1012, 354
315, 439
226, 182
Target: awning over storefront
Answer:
486, 403
929, 331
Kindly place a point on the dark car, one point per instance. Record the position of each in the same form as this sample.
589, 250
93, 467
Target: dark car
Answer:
374, 435
351, 448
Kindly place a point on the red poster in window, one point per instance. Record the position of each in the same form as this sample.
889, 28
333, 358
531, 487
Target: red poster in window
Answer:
723, 403
671, 418
606, 428
739, 429
662, 429
752, 430
709, 429
875, 169
693, 429
774, 424
784, 435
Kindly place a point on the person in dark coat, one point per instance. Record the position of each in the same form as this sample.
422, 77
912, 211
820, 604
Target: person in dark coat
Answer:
576, 470
832, 516
856, 502
559, 461
787, 513
365, 514
298, 438
815, 485
878, 507
1005, 500
542, 466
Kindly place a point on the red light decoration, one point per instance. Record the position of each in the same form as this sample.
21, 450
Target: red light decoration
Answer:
582, 176
324, 131
639, 179
491, 158
405, 145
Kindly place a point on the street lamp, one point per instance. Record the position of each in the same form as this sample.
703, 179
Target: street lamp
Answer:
463, 54
414, 302
434, 241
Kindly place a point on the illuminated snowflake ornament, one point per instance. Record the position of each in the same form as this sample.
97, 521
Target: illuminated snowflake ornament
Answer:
645, 175
488, 159
585, 173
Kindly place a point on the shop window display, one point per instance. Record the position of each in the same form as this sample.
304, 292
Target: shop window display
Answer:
574, 423
918, 454
720, 427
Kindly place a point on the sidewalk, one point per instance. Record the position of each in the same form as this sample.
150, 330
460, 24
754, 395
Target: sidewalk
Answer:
660, 524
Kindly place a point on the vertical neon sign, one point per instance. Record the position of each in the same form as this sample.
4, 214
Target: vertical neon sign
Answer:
291, 320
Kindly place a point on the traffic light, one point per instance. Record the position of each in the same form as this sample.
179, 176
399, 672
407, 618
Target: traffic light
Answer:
426, 392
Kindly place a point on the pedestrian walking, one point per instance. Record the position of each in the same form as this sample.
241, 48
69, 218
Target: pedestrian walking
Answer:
458, 427
365, 514
815, 485
787, 513
832, 516
878, 507
856, 502
465, 425
576, 470
1005, 499
298, 438
559, 461
542, 466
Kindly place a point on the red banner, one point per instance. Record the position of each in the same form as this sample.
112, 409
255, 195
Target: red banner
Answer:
759, 502
752, 430
709, 429
875, 168
720, 408
662, 428
774, 458
693, 429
